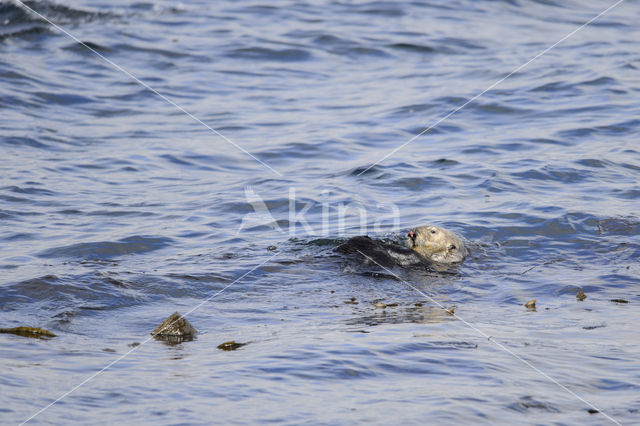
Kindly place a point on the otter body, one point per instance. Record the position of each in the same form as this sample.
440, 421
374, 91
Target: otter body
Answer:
428, 246
382, 254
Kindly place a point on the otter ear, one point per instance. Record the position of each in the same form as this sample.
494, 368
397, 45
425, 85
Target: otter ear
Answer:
452, 247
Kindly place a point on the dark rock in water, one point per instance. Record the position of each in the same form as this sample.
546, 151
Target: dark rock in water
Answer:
35, 332
231, 345
175, 328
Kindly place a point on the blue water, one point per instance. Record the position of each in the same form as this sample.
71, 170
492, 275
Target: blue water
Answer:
117, 209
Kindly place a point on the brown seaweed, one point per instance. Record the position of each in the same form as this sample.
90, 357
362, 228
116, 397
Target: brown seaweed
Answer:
35, 332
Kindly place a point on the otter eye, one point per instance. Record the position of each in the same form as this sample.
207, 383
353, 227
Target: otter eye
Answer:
452, 247
433, 231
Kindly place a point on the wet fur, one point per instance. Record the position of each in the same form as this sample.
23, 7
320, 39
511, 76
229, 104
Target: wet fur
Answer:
430, 247
437, 244
382, 254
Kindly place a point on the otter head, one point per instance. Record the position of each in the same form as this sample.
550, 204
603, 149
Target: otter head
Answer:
437, 244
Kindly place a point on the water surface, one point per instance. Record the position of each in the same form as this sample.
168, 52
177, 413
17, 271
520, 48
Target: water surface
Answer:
117, 209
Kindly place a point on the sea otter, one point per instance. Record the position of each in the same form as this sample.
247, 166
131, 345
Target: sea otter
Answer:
428, 245
437, 244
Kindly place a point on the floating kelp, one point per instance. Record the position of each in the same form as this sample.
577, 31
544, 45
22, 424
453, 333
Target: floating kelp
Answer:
619, 301
580, 295
593, 327
531, 304
231, 345
35, 332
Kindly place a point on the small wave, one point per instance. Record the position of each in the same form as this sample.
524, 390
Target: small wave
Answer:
155, 51
176, 160
84, 47
415, 48
28, 190
619, 226
22, 141
459, 43
406, 110
49, 98
120, 213
365, 170
422, 183
18, 22
265, 54
386, 9
617, 129
546, 141
528, 403
563, 175
71, 294
600, 81
495, 109
341, 46
558, 87
108, 249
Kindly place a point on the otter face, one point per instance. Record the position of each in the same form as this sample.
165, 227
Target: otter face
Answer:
437, 244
